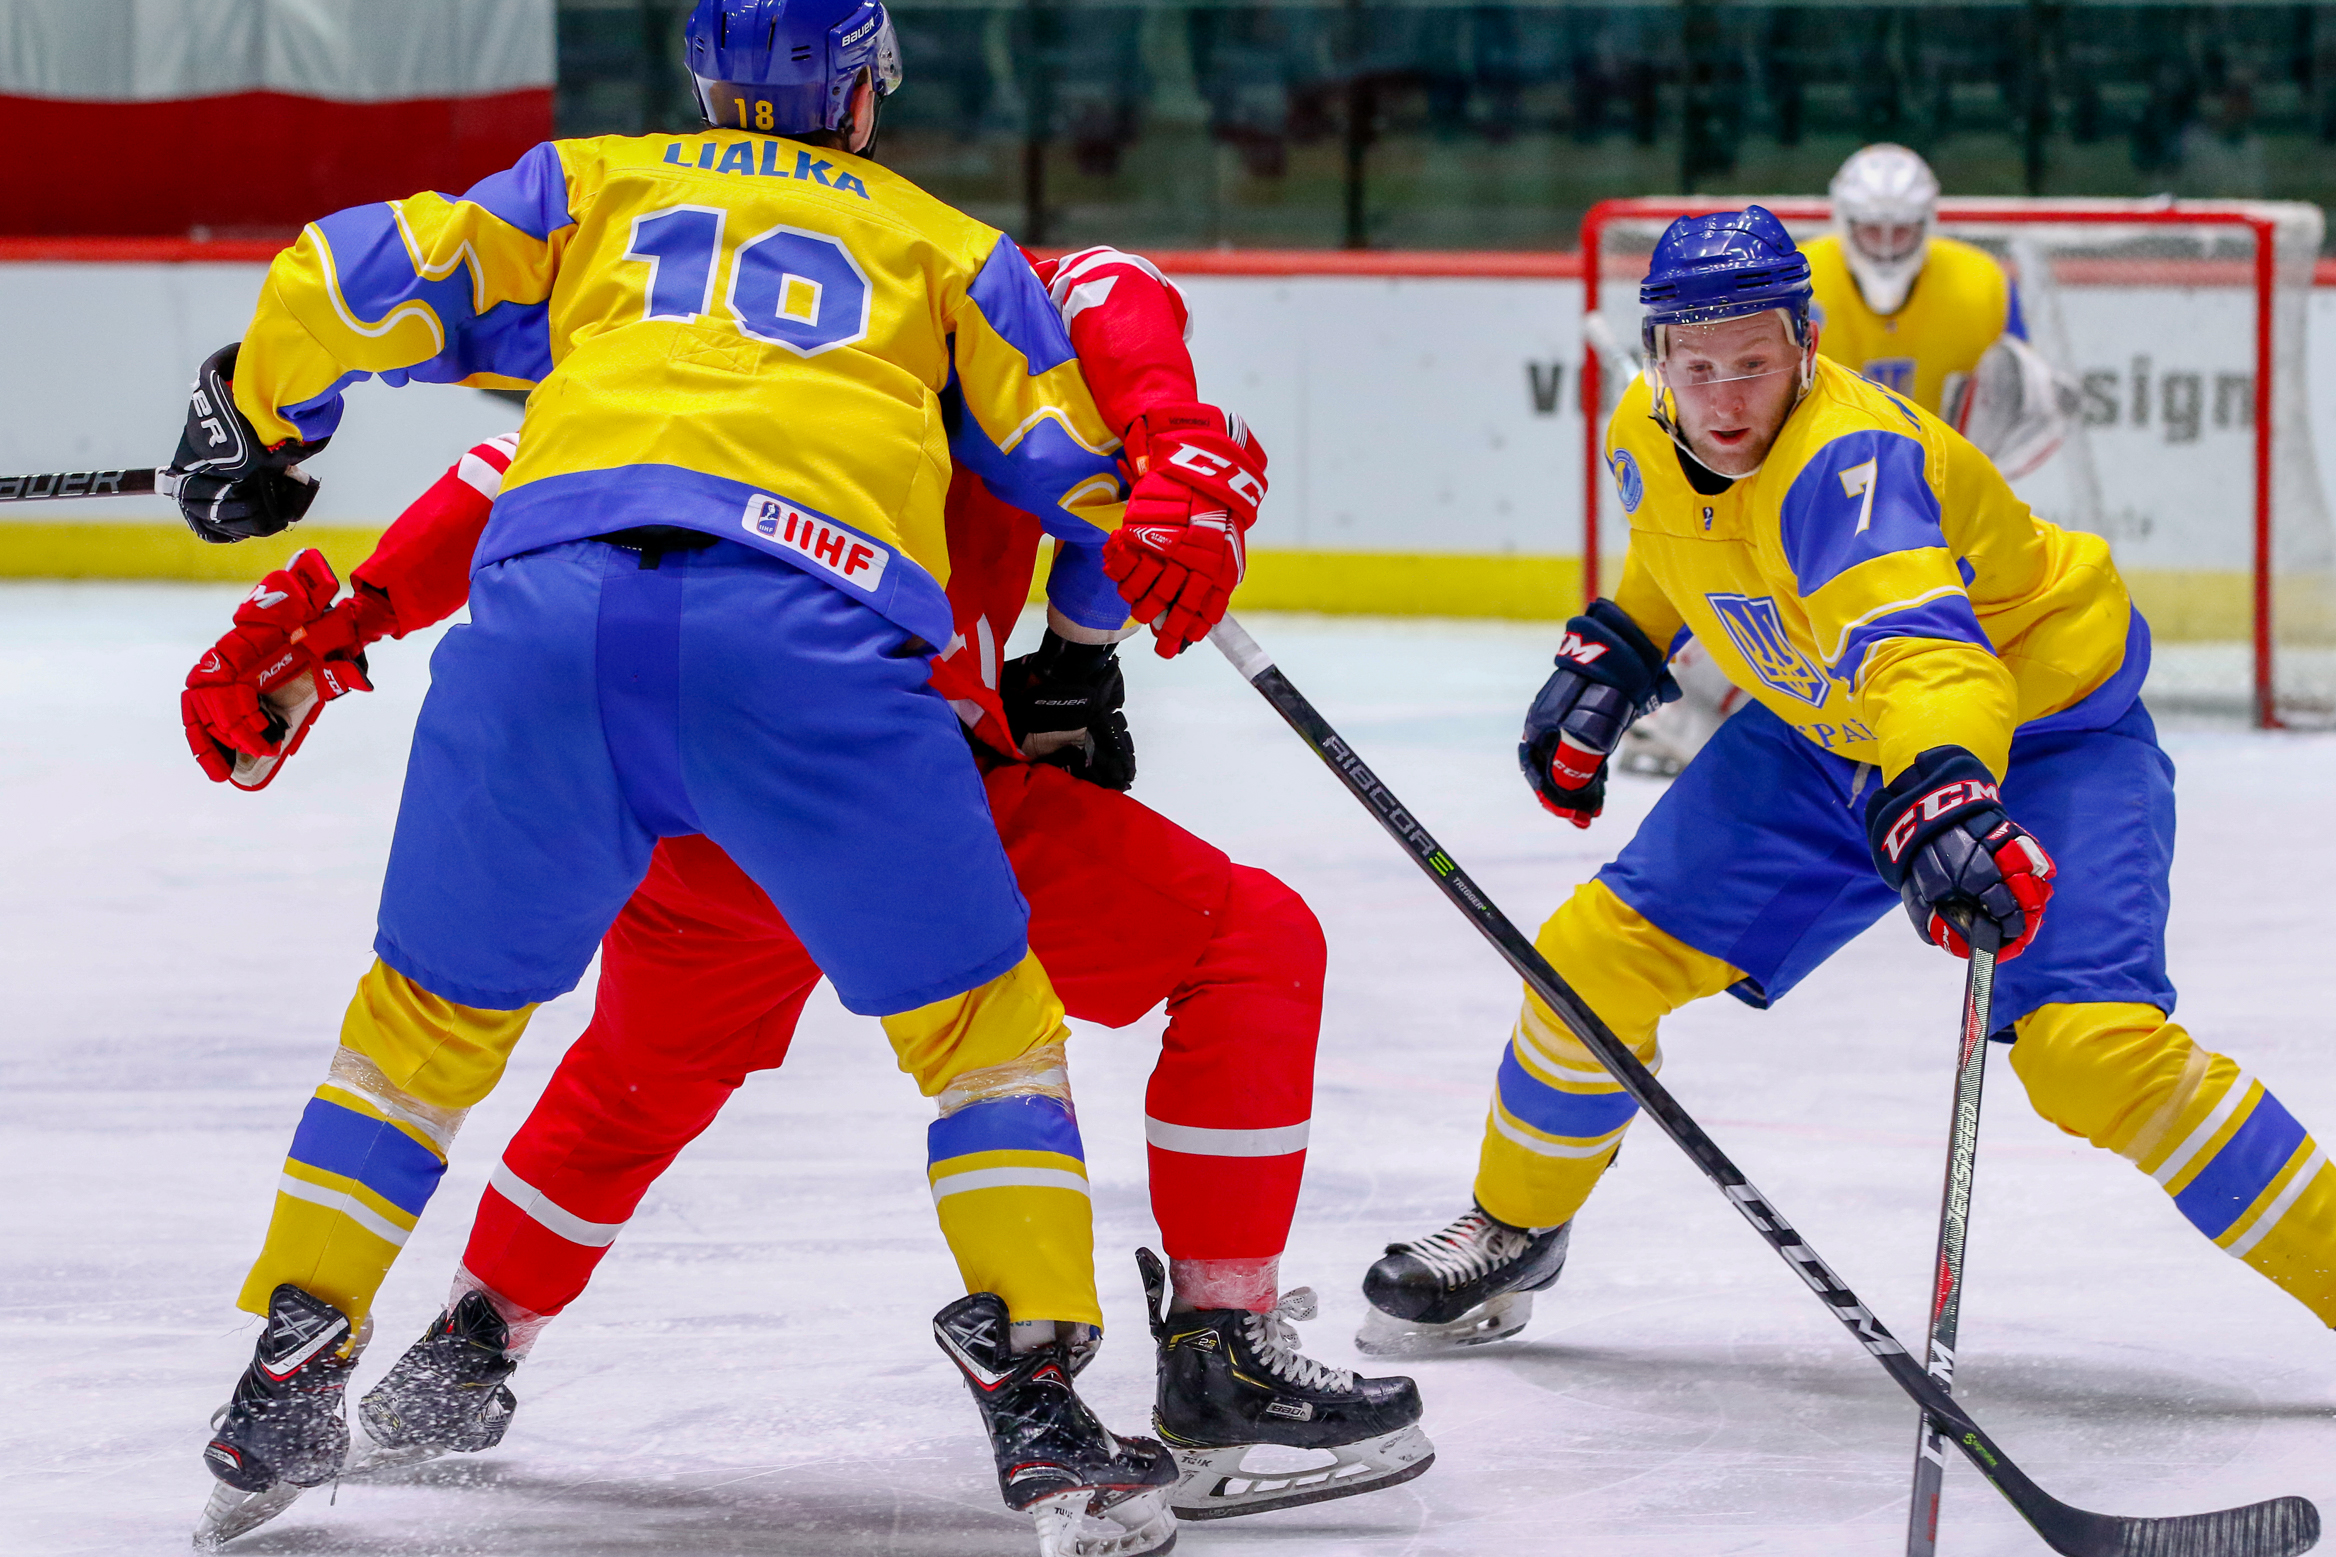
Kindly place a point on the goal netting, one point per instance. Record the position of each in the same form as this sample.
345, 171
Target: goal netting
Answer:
2185, 328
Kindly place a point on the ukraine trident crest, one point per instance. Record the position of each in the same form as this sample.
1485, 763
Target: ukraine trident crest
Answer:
1759, 635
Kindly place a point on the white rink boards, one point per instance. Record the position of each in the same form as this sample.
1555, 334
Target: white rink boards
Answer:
753, 1374
1437, 415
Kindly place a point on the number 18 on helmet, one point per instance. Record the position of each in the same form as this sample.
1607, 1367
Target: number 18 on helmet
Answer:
787, 67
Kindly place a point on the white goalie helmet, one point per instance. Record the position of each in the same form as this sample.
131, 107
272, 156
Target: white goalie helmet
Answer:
1885, 201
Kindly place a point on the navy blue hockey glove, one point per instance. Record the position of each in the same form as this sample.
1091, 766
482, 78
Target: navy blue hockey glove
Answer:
228, 487
1062, 708
1965, 870
1608, 674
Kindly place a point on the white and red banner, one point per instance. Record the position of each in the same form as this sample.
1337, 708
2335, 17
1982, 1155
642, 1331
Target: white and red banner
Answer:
248, 116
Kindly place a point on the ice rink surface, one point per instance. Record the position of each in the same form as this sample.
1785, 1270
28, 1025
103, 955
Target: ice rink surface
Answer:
753, 1372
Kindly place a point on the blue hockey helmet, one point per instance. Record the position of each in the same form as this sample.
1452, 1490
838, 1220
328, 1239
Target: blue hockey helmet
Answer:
786, 67
1724, 266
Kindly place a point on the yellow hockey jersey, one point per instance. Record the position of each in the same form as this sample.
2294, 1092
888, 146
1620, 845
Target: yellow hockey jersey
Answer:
1961, 303
1875, 583
773, 343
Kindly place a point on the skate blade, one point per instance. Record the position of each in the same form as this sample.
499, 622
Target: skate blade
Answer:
1384, 1335
368, 1457
1215, 1485
1133, 1526
232, 1512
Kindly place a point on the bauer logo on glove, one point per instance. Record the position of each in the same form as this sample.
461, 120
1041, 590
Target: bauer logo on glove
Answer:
227, 485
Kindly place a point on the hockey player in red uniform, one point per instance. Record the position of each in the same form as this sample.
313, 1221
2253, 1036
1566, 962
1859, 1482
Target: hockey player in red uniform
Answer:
702, 981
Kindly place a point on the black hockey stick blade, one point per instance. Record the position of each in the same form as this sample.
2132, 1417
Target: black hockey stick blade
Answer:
77, 483
2281, 1527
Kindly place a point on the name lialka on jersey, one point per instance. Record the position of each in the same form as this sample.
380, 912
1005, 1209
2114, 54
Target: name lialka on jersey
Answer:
738, 157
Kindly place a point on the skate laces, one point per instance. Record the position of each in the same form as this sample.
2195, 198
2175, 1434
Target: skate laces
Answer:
1470, 1248
1275, 1339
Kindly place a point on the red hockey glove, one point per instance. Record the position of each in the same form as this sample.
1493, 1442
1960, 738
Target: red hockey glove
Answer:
1941, 838
1196, 479
250, 700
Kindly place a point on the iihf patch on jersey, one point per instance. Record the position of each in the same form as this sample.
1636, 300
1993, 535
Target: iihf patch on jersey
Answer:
857, 561
1759, 635
1627, 482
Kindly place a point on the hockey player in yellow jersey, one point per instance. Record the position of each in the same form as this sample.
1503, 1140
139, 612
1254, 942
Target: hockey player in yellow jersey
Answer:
1945, 717
1931, 318
1895, 301
705, 604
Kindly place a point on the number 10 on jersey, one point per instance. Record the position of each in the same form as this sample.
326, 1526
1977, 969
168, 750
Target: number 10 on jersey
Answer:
797, 289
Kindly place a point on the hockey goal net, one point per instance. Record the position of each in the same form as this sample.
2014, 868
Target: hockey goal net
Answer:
2184, 327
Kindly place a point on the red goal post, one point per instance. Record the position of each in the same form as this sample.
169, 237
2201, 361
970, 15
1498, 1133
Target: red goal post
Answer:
2260, 271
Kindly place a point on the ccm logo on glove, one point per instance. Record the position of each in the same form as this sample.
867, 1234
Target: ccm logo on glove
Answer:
1201, 462
1608, 674
1934, 805
1195, 476
1964, 869
1580, 650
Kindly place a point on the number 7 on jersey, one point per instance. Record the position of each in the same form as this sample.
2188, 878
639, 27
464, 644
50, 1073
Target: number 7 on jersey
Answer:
1860, 481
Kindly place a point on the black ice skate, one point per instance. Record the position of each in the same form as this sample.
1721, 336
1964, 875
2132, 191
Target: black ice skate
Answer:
1469, 1284
1089, 1494
446, 1395
282, 1431
1232, 1381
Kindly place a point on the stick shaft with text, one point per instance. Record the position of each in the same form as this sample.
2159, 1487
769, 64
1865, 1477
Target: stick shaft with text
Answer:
1946, 1302
77, 483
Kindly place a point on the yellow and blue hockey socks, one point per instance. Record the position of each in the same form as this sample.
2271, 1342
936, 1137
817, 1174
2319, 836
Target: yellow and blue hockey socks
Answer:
1557, 1117
1008, 1172
2237, 1164
372, 1144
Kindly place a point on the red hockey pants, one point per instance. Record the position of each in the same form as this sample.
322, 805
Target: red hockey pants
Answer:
701, 982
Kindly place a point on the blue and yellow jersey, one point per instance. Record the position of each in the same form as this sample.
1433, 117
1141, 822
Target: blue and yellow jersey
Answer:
1962, 302
1876, 583
769, 342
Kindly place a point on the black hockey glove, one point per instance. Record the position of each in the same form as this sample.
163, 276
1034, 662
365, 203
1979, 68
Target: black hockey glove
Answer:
227, 486
1963, 868
1608, 674
1062, 707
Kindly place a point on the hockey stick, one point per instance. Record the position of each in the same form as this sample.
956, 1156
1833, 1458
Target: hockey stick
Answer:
2279, 1527
1946, 1299
77, 483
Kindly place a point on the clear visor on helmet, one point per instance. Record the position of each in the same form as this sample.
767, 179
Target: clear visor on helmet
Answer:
1694, 355
887, 69
1886, 243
